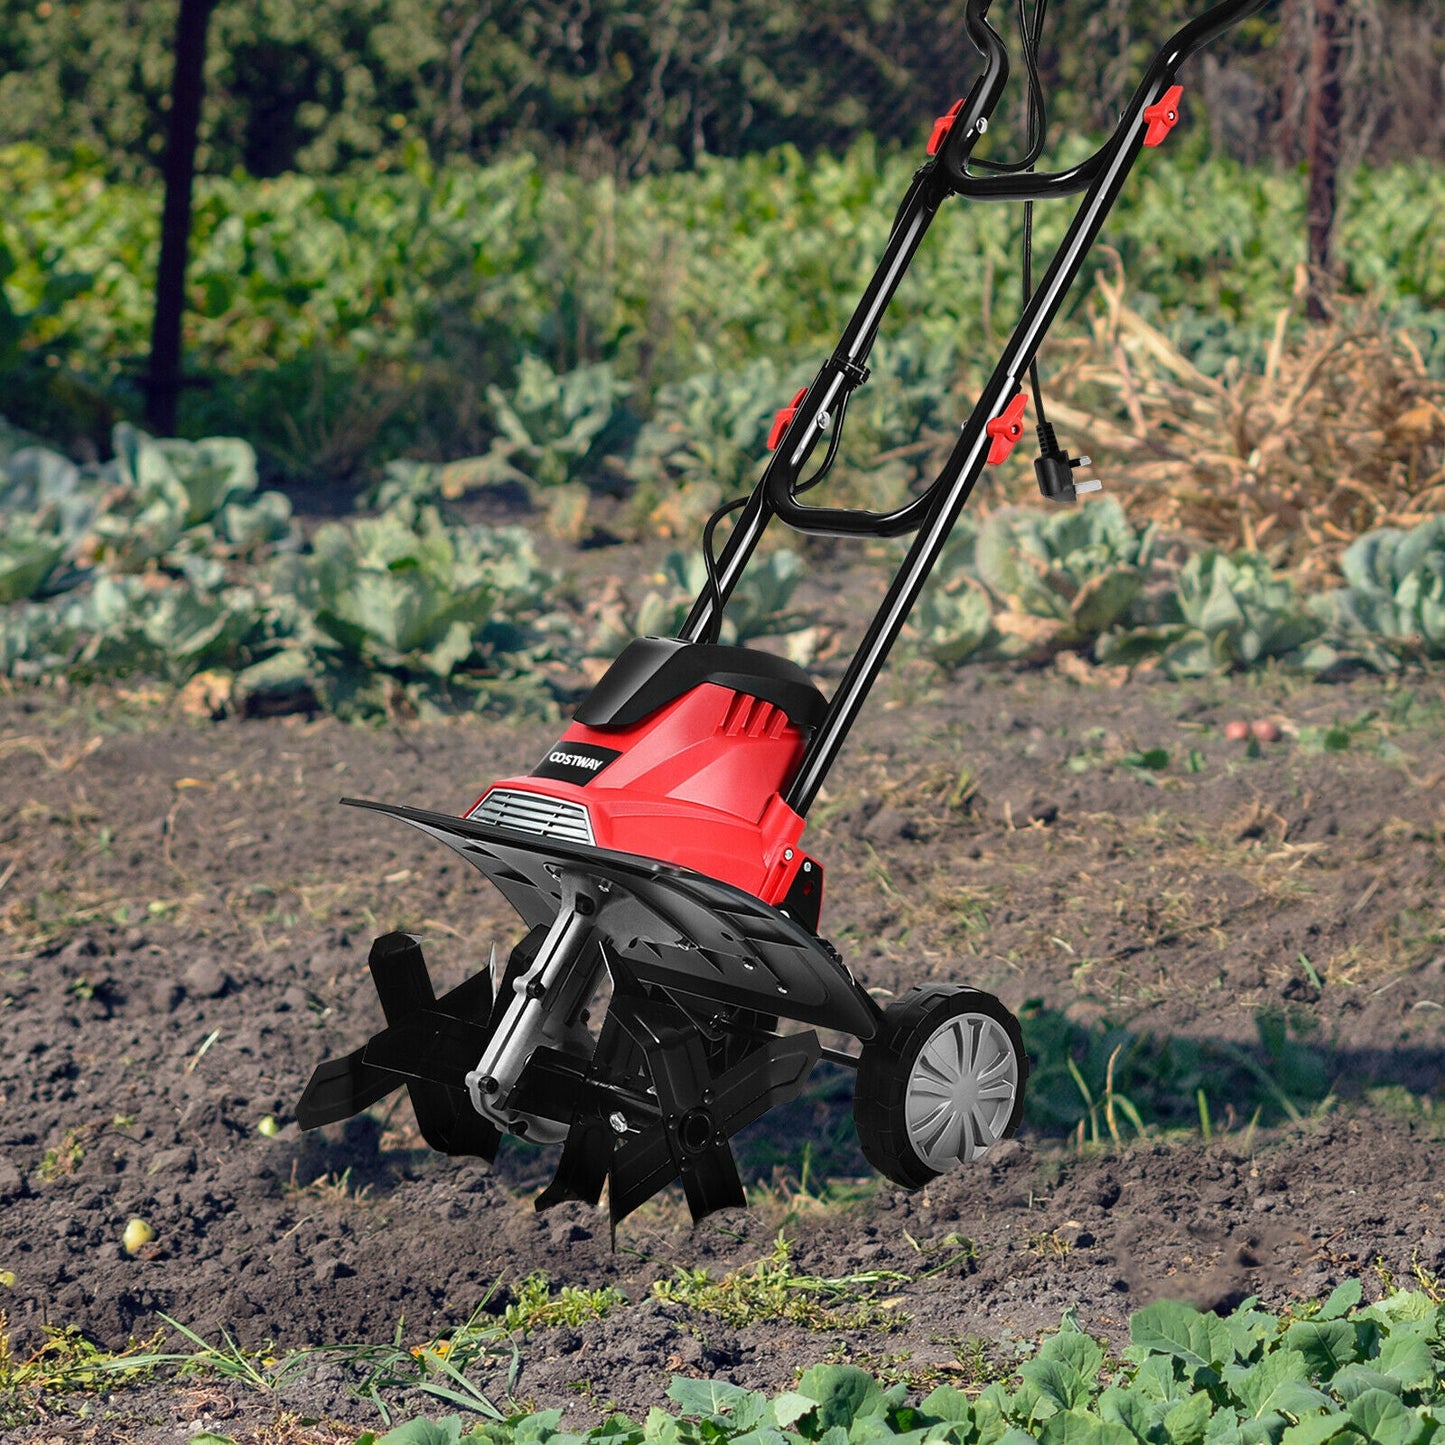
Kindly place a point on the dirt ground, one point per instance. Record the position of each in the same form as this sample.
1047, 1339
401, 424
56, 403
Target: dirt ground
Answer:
184, 920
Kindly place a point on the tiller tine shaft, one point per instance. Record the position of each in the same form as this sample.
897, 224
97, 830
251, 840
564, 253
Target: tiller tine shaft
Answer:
428, 1045
692, 1132
698, 1115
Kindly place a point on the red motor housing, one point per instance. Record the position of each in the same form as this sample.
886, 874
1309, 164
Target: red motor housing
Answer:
696, 780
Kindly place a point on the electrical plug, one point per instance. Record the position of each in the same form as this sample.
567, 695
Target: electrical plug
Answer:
1054, 468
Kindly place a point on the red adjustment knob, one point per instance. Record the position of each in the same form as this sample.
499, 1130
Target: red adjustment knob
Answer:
782, 417
1006, 429
941, 128
1162, 116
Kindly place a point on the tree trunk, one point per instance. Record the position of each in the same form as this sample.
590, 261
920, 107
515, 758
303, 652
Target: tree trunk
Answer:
1322, 141
188, 85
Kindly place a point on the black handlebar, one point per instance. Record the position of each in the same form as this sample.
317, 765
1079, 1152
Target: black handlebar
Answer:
1038, 186
1102, 174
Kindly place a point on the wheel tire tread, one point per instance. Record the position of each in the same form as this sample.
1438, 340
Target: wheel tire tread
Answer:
882, 1084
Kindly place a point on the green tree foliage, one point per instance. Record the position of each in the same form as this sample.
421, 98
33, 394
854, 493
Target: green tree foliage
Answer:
642, 85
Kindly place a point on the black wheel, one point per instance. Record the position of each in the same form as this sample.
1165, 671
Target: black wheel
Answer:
941, 1082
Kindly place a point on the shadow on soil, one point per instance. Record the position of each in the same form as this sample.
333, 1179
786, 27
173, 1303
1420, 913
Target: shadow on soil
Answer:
1087, 1083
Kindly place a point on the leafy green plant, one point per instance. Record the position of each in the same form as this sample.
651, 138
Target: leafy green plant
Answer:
538, 1307
404, 595
153, 499
1394, 600
1330, 1371
954, 619
27, 558
164, 489
1231, 612
346, 319
167, 560
774, 1290
1028, 578
759, 606
1239, 611
711, 428
130, 563
1081, 567
45, 507
554, 429
401, 590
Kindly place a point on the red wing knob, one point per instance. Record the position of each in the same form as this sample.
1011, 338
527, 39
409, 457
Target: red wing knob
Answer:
1163, 115
782, 417
1006, 429
941, 128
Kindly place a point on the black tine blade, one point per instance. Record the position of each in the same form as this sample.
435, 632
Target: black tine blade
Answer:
400, 974
648, 1162
428, 1045
471, 1000
581, 1171
342, 1087
434, 1051
640, 1167
449, 1123
772, 1075
710, 1181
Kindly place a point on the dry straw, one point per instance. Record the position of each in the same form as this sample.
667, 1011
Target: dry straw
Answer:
1342, 432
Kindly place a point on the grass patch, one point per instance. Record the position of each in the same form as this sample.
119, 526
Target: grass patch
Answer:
773, 1289
1399, 1103
332, 1188
1103, 1084
68, 1365
536, 1307
791, 1194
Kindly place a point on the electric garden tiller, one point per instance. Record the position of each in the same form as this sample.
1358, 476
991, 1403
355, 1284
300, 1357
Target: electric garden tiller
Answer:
658, 842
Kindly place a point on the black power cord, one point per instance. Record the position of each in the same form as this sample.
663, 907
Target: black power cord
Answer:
709, 561
709, 556
1054, 466
1031, 33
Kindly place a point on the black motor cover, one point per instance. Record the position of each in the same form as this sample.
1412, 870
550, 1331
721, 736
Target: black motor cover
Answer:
653, 671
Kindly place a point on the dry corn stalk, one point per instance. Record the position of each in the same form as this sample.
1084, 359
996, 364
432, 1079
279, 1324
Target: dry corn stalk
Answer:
1342, 432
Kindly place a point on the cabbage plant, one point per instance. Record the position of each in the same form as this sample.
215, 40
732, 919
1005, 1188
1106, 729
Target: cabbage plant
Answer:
553, 430
1237, 612
1394, 600
1080, 566
405, 591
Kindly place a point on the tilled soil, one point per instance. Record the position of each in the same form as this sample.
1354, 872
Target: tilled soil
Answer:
185, 915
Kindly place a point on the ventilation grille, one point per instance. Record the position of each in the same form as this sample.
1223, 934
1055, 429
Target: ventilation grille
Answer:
533, 813
752, 717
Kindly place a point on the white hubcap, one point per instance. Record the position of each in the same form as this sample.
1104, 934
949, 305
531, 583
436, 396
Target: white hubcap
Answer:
961, 1090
